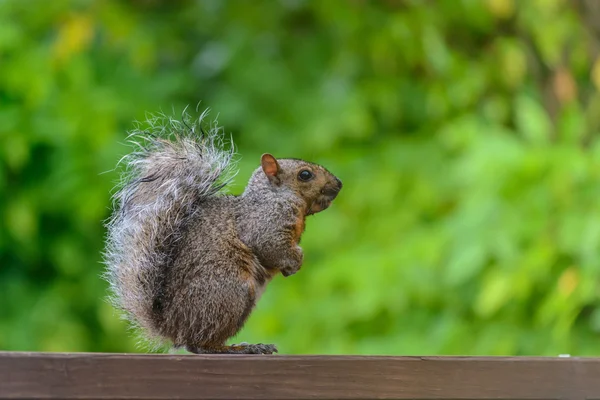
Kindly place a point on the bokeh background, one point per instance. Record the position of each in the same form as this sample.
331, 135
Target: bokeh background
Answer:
465, 132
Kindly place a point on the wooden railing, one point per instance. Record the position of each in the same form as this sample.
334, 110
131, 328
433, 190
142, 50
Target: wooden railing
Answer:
132, 376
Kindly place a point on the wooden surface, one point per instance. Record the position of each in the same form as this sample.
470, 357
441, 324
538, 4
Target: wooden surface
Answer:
134, 376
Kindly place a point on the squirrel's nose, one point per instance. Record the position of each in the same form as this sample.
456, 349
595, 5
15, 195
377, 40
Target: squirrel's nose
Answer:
332, 189
339, 183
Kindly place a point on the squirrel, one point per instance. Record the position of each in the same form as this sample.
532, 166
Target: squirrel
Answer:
186, 262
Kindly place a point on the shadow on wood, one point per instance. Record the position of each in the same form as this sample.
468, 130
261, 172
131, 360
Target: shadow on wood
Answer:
135, 376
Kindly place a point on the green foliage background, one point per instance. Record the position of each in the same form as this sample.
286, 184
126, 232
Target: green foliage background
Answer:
465, 132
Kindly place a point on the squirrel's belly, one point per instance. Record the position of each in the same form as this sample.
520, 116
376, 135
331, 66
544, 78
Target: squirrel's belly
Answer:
259, 289
259, 285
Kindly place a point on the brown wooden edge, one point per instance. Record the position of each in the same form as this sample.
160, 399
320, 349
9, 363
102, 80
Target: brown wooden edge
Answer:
137, 376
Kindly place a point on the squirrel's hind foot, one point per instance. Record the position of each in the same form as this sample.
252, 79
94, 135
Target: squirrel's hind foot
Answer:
242, 348
245, 348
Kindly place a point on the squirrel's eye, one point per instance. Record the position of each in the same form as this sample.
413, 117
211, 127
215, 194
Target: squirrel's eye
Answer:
305, 175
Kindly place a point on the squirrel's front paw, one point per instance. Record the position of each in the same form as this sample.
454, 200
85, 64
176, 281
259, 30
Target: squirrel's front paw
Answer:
292, 265
245, 348
287, 272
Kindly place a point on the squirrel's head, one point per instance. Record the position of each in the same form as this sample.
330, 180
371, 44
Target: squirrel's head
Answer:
310, 182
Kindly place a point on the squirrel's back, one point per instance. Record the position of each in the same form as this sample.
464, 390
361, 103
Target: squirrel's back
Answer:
176, 167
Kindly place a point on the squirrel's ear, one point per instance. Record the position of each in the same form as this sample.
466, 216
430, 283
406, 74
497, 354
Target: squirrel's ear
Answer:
270, 167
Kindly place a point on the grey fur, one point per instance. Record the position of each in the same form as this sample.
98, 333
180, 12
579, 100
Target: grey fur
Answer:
187, 263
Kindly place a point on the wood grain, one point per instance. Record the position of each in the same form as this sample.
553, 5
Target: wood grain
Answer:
136, 376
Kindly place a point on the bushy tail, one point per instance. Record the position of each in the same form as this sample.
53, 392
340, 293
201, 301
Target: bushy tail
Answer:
175, 165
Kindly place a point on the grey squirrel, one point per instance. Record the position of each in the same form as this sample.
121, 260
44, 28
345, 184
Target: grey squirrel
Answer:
187, 263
